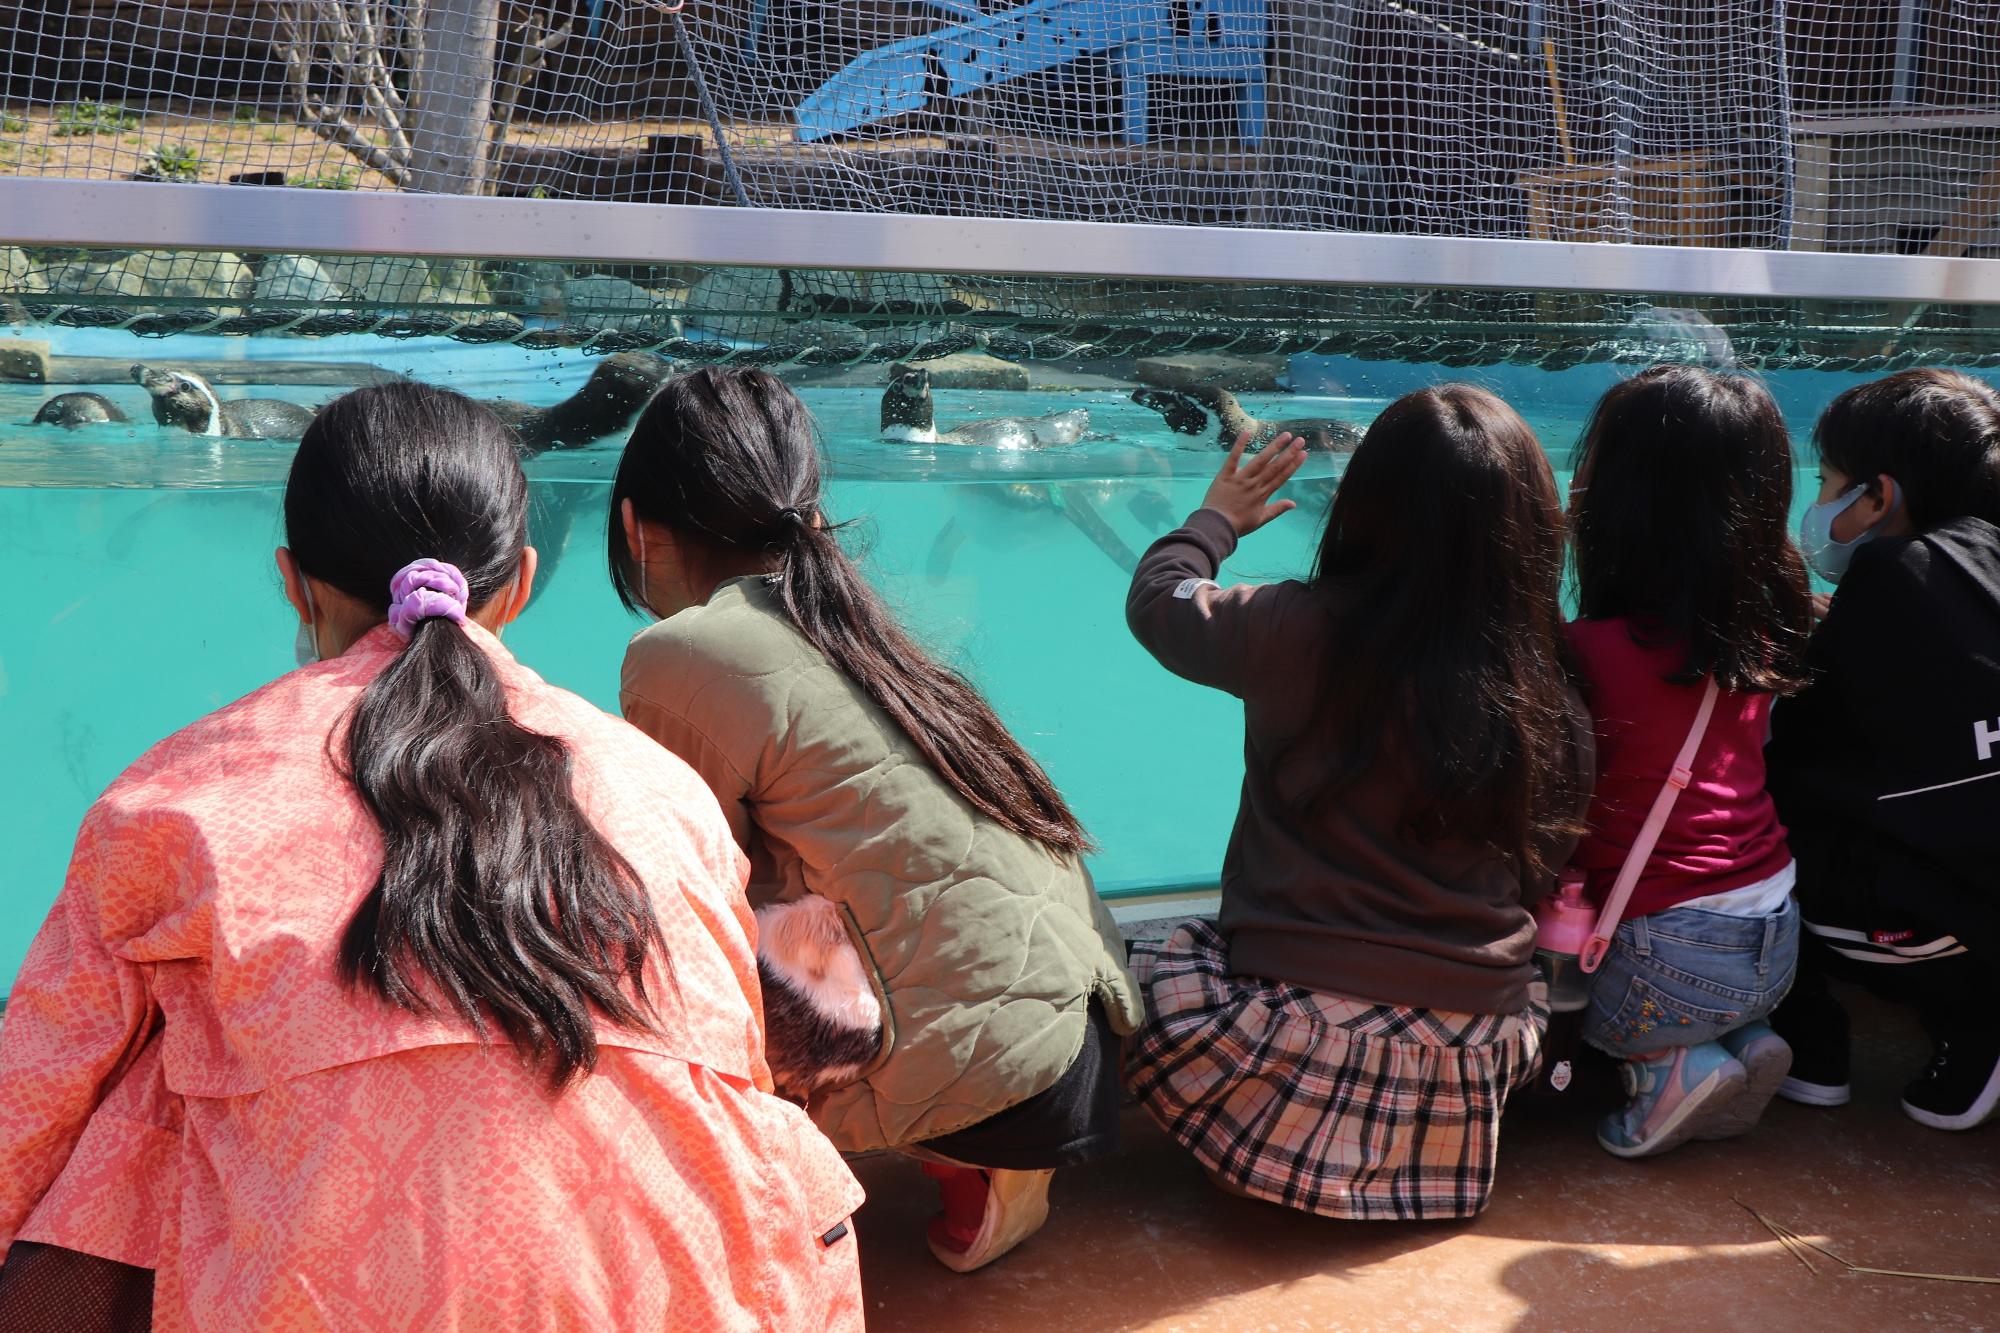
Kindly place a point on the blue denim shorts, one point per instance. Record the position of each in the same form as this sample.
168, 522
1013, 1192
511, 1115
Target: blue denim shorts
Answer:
1685, 976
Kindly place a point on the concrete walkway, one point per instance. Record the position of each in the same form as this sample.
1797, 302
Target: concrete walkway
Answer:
1573, 1239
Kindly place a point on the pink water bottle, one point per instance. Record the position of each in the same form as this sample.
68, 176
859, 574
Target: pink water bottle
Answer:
1564, 921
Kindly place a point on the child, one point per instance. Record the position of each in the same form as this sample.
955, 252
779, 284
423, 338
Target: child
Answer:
886, 811
1342, 1041
1887, 768
1686, 572
450, 973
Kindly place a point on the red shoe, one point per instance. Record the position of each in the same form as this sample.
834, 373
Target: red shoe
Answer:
1015, 1206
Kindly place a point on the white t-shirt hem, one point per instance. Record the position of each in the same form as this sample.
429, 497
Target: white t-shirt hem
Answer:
1765, 897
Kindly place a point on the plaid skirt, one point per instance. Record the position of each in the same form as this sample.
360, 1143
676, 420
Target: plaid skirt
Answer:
1334, 1106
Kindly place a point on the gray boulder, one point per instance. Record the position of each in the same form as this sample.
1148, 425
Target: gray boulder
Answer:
613, 303
392, 280
15, 266
460, 282
973, 370
533, 286
93, 278
1237, 374
219, 279
296, 280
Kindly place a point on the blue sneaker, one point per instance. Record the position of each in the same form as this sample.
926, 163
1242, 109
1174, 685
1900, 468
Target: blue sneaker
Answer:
1675, 1095
1766, 1059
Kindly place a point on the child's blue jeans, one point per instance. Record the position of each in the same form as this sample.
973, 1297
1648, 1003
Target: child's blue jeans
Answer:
1685, 976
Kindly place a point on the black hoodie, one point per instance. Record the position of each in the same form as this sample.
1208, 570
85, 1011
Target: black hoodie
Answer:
1887, 768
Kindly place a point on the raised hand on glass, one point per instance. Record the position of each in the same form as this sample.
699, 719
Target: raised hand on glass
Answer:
1242, 492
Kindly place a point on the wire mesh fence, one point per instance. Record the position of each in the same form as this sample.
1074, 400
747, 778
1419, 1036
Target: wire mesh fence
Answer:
1744, 123
1701, 122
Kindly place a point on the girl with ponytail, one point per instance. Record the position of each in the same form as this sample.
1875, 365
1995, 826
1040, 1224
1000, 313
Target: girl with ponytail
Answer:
940, 977
443, 979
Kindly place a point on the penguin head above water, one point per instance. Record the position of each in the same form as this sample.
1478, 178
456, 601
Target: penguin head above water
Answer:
907, 411
181, 399
70, 410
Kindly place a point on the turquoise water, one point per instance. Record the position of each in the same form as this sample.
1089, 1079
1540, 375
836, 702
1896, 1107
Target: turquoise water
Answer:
141, 591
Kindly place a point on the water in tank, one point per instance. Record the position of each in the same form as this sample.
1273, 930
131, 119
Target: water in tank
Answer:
141, 590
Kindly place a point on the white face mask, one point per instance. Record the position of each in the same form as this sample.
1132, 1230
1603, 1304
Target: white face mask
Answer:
1816, 541
305, 646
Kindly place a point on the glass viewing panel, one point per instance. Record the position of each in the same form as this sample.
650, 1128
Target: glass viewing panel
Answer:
142, 592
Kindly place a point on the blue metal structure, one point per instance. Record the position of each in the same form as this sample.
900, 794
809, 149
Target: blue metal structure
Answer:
1211, 39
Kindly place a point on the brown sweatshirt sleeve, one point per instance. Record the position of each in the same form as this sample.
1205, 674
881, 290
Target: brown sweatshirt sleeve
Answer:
1196, 629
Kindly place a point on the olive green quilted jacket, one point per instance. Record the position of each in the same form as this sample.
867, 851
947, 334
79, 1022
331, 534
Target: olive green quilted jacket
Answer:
986, 947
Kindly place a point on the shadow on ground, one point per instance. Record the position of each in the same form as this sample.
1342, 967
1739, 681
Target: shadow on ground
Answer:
1573, 1238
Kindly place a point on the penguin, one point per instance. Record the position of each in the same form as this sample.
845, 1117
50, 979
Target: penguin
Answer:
618, 387
1183, 414
70, 410
910, 417
187, 400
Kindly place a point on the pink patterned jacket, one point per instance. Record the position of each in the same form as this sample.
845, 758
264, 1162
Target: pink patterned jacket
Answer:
186, 1084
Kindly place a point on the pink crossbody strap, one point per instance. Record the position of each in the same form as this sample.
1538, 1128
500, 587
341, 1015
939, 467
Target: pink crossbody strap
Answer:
1649, 834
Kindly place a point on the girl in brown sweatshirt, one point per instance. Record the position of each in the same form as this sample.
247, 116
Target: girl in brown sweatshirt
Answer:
1343, 1038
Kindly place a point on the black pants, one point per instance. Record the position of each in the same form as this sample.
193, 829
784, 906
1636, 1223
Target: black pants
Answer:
1951, 988
1072, 1122
1884, 920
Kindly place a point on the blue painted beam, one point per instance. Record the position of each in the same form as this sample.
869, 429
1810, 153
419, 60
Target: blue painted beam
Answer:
900, 78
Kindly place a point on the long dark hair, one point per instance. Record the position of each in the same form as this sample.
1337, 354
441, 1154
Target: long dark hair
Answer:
1444, 548
498, 900
1937, 432
1681, 517
730, 459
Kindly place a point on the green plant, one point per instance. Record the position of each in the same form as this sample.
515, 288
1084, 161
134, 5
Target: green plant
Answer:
249, 115
339, 180
80, 119
173, 162
12, 124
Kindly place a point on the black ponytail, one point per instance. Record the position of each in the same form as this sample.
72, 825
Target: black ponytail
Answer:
499, 901
729, 458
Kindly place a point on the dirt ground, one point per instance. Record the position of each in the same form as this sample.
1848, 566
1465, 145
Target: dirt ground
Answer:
1573, 1239
220, 142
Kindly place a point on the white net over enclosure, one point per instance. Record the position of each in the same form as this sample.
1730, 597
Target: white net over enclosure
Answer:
1871, 127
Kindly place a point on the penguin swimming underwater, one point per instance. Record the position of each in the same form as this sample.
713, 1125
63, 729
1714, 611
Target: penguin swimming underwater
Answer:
70, 410
188, 401
1182, 409
618, 387
1184, 415
910, 417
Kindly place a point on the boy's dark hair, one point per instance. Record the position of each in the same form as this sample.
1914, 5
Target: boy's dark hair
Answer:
1445, 541
1937, 432
498, 900
730, 458
1681, 519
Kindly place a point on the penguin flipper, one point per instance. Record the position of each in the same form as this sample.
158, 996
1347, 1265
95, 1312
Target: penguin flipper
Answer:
937, 568
1183, 415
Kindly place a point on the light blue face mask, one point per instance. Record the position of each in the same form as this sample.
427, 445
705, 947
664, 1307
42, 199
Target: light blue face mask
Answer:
1829, 557
305, 646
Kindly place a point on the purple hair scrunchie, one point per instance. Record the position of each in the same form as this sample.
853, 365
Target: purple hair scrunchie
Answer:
425, 589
